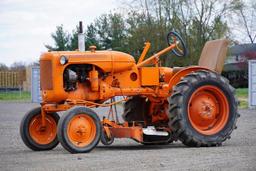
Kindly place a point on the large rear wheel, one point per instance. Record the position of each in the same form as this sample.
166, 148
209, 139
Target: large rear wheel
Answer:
203, 109
135, 109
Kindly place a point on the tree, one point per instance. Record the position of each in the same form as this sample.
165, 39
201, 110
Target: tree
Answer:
244, 20
61, 39
18, 66
196, 20
3, 67
103, 30
73, 39
91, 37
111, 31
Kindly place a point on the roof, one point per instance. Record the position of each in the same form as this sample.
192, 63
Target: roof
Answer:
242, 48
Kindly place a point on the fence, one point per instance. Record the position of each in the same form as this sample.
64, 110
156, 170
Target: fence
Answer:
9, 80
11, 86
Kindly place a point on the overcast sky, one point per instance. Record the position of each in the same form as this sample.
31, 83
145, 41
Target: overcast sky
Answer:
26, 25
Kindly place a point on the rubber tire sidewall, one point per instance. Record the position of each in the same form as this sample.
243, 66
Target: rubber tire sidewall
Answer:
135, 109
63, 124
231, 118
24, 131
178, 114
104, 139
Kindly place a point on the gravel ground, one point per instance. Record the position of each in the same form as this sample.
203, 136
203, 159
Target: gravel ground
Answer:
238, 153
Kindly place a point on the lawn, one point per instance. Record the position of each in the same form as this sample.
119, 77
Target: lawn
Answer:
242, 95
15, 96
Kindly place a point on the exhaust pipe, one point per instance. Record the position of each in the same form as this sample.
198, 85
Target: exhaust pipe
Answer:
81, 39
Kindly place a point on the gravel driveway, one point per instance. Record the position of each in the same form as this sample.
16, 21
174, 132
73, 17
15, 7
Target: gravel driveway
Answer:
238, 153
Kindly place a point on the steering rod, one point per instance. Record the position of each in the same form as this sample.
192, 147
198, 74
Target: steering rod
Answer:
157, 55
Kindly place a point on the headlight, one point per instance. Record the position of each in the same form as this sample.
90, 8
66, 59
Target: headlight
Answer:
63, 60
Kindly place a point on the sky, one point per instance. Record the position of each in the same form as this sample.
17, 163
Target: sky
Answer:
26, 25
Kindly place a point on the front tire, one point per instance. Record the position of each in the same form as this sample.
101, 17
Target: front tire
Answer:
79, 130
203, 109
34, 135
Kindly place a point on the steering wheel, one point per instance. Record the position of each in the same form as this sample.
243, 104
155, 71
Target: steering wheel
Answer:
180, 49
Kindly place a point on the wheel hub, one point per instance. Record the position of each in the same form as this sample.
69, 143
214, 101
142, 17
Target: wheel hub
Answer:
43, 134
208, 110
81, 130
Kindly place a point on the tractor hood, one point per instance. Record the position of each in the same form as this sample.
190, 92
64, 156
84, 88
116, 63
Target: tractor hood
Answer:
108, 61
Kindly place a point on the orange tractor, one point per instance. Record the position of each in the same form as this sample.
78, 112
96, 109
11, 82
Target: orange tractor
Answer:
195, 104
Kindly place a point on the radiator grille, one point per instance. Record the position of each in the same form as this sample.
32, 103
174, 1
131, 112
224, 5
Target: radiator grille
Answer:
46, 75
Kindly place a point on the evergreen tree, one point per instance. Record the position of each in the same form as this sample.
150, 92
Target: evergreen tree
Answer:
61, 39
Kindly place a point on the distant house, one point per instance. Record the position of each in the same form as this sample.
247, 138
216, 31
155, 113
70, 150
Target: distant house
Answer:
236, 65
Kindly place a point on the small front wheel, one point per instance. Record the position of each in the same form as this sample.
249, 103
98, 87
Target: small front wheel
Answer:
34, 135
105, 139
79, 130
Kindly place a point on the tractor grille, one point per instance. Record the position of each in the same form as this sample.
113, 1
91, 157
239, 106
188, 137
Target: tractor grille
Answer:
46, 75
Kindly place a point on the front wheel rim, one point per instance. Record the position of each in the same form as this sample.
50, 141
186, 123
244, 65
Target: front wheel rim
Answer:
81, 130
208, 110
43, 135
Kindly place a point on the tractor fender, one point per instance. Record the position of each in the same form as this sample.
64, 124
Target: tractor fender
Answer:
178, 76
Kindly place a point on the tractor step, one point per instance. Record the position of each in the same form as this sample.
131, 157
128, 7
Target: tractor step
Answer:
153, 136
151, 130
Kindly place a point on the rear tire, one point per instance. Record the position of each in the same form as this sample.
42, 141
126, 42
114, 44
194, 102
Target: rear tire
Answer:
203, 109
135, 109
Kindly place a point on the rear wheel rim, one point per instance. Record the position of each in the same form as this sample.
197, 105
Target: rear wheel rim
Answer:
43, 135
81, 130
208, 110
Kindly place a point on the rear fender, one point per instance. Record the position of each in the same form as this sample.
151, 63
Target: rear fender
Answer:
177, 76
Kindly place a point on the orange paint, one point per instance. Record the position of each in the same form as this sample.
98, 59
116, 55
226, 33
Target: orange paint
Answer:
106, 74
123, 78
124, 130
144, 52
43, 134
149, 76
183, 72
208, 110
81, 130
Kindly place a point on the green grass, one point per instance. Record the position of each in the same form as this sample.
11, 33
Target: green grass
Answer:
242, 95
15, 96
